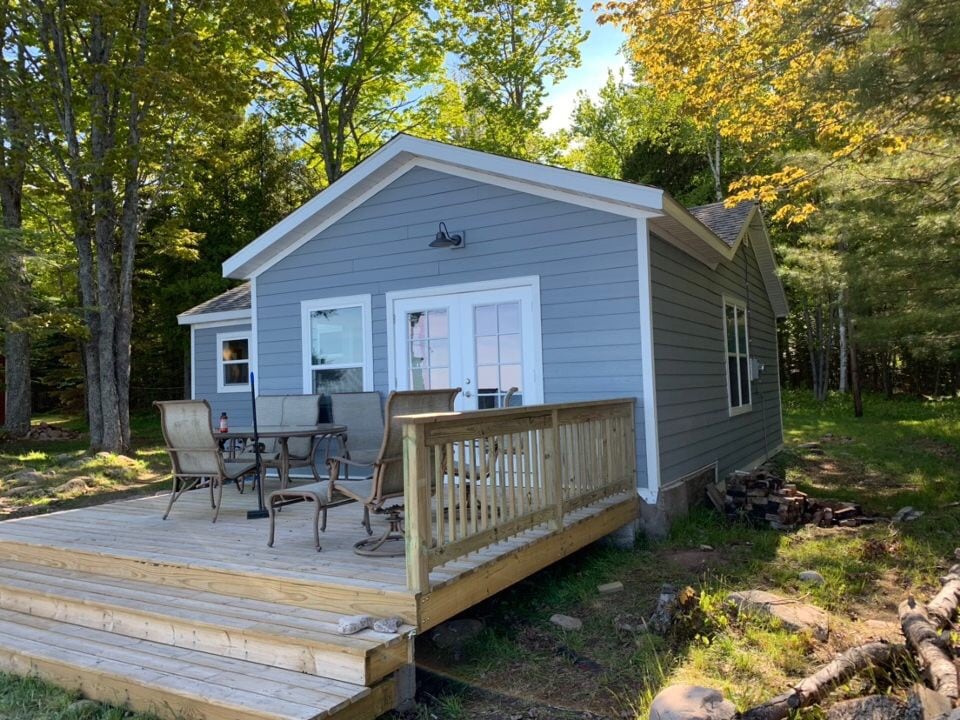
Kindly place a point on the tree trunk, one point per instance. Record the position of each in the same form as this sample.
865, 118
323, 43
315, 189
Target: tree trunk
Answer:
13, 159
844, 359
854, 373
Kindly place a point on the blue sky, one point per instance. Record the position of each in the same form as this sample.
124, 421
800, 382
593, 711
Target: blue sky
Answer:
599, 53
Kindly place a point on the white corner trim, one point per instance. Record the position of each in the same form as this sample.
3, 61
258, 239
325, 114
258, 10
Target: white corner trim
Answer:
365, 303
650, 426
193, 362
226, 337
225, 317
255, 337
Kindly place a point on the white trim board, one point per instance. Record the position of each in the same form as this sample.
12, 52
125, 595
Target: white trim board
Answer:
226, 317
651, 427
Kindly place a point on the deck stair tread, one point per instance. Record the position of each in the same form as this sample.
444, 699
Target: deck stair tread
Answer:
174, 681
292, 637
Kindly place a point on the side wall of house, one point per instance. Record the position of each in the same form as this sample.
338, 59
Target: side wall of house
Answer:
204, 354
695, 426
586, 261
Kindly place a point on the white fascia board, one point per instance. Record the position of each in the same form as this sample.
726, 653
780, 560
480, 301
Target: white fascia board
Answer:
615, 196
225, 316
679, 213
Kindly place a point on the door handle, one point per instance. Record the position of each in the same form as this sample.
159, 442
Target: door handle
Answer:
467, 393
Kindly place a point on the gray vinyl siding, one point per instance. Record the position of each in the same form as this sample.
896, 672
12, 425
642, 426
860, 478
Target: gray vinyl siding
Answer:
586, 261
689, 353
236, 405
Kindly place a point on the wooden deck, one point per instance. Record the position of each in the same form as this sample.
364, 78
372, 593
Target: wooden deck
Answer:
190, 619
187, 618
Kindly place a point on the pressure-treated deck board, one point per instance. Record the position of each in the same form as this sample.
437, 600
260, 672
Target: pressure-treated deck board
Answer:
173, 682
289, 637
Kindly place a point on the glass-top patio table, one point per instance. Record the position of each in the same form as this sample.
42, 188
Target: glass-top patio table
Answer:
282, 434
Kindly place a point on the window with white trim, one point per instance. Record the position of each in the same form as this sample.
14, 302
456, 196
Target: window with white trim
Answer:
737, 348
337, 345
233, 362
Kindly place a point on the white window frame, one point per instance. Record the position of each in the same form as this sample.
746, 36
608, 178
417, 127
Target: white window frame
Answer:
741, 307
337, 303
227, 337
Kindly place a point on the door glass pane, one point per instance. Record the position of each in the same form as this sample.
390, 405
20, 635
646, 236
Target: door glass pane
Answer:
336, 336
486, 319
499, 356
487, 350
326, 382
428, 349
509, 315
510, 348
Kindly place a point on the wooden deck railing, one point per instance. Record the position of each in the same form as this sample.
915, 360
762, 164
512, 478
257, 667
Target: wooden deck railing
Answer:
476, 478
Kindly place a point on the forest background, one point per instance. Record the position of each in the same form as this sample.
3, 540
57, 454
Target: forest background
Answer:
142, 142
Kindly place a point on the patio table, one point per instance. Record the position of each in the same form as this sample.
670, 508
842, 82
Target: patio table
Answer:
282, 434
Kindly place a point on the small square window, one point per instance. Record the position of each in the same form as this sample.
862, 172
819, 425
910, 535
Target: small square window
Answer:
233, 363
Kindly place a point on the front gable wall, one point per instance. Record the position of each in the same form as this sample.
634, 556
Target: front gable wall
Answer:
586, 261
695, 426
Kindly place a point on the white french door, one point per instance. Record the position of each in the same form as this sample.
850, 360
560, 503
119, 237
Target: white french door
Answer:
484, 341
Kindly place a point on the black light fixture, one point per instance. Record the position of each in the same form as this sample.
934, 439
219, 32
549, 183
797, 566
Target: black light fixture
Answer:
446, 240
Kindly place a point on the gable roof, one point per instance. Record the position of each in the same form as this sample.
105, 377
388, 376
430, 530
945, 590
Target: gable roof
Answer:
234, 304
726, 223
667, 218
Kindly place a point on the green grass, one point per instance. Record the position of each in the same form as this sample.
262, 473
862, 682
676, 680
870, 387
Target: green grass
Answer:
903, 452
31, 699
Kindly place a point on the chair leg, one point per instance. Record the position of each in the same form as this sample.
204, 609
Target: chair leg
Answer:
219, 482
174, 494
316, 524
366, 520
273, 519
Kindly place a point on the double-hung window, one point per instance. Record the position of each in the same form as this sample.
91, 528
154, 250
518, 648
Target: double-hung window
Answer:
337, 353
737, 349
233, 362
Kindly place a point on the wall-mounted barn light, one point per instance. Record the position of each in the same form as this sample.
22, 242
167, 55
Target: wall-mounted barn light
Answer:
446, 240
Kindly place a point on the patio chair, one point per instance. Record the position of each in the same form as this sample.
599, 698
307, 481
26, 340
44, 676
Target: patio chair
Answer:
385, 471
362, 413
194, 452
298, 410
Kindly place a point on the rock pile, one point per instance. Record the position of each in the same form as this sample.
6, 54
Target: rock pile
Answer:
45, 431
762, 497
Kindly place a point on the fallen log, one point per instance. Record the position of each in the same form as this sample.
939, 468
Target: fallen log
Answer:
814, 688
923, 638
943, 606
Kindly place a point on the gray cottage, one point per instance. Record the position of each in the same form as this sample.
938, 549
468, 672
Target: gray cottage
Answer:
430, 265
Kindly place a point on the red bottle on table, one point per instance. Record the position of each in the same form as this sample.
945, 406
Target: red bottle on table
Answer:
223, 422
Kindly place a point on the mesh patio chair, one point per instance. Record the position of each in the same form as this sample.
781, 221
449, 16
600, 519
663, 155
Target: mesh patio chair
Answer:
362, 413
194, 452
298, 410
385, 471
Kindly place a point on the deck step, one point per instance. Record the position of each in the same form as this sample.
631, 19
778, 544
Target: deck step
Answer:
173, 682
283, 636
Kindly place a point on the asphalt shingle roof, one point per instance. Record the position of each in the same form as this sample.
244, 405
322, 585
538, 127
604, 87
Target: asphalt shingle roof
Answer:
237, 298
726, 223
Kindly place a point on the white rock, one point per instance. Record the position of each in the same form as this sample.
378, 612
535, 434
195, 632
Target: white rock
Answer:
611, 587
691, 702
812, 576
793, 614
566, 622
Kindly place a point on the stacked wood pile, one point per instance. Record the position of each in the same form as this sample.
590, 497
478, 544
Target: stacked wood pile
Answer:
44, 431
929, 631
763, 497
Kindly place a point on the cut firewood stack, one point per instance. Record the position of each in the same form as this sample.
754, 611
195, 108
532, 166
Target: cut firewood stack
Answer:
928, 631
45, 431
763, 497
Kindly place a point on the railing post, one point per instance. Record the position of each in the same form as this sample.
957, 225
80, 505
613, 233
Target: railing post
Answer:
554, 471
416, 499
